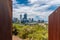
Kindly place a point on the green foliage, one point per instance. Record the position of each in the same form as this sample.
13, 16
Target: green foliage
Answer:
34, 32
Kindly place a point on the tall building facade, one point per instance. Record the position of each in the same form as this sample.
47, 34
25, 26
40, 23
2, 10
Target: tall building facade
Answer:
24, 19
25, 16
20, 16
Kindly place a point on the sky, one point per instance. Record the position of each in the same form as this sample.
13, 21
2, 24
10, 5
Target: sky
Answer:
37, 9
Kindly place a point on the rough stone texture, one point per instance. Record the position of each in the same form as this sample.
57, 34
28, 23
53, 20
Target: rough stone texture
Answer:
54, 25
5, 20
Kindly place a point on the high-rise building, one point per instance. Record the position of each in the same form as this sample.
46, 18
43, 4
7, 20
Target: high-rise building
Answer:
21, 17
32, 19
25, 16
14, 20
25, 20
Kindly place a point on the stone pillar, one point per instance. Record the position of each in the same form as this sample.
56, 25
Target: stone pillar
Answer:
5, 20
54, 25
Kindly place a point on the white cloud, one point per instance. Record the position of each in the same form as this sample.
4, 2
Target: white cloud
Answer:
46, 1
14, 1
32, 1
38, 1
32, 11
54, 2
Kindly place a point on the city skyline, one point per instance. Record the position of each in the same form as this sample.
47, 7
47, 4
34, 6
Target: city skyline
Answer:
21, 16
26, 20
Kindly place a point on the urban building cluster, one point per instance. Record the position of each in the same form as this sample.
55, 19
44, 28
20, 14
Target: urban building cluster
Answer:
26, 20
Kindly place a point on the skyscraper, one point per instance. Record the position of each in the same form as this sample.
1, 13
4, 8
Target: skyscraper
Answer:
25, 16
25, 20
32, 19
15, 20
21, 17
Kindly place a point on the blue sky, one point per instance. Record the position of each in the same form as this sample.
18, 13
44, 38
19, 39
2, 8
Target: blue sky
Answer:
37, 9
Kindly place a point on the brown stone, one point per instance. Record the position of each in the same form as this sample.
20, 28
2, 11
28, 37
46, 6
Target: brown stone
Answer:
5, 20
54, 25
